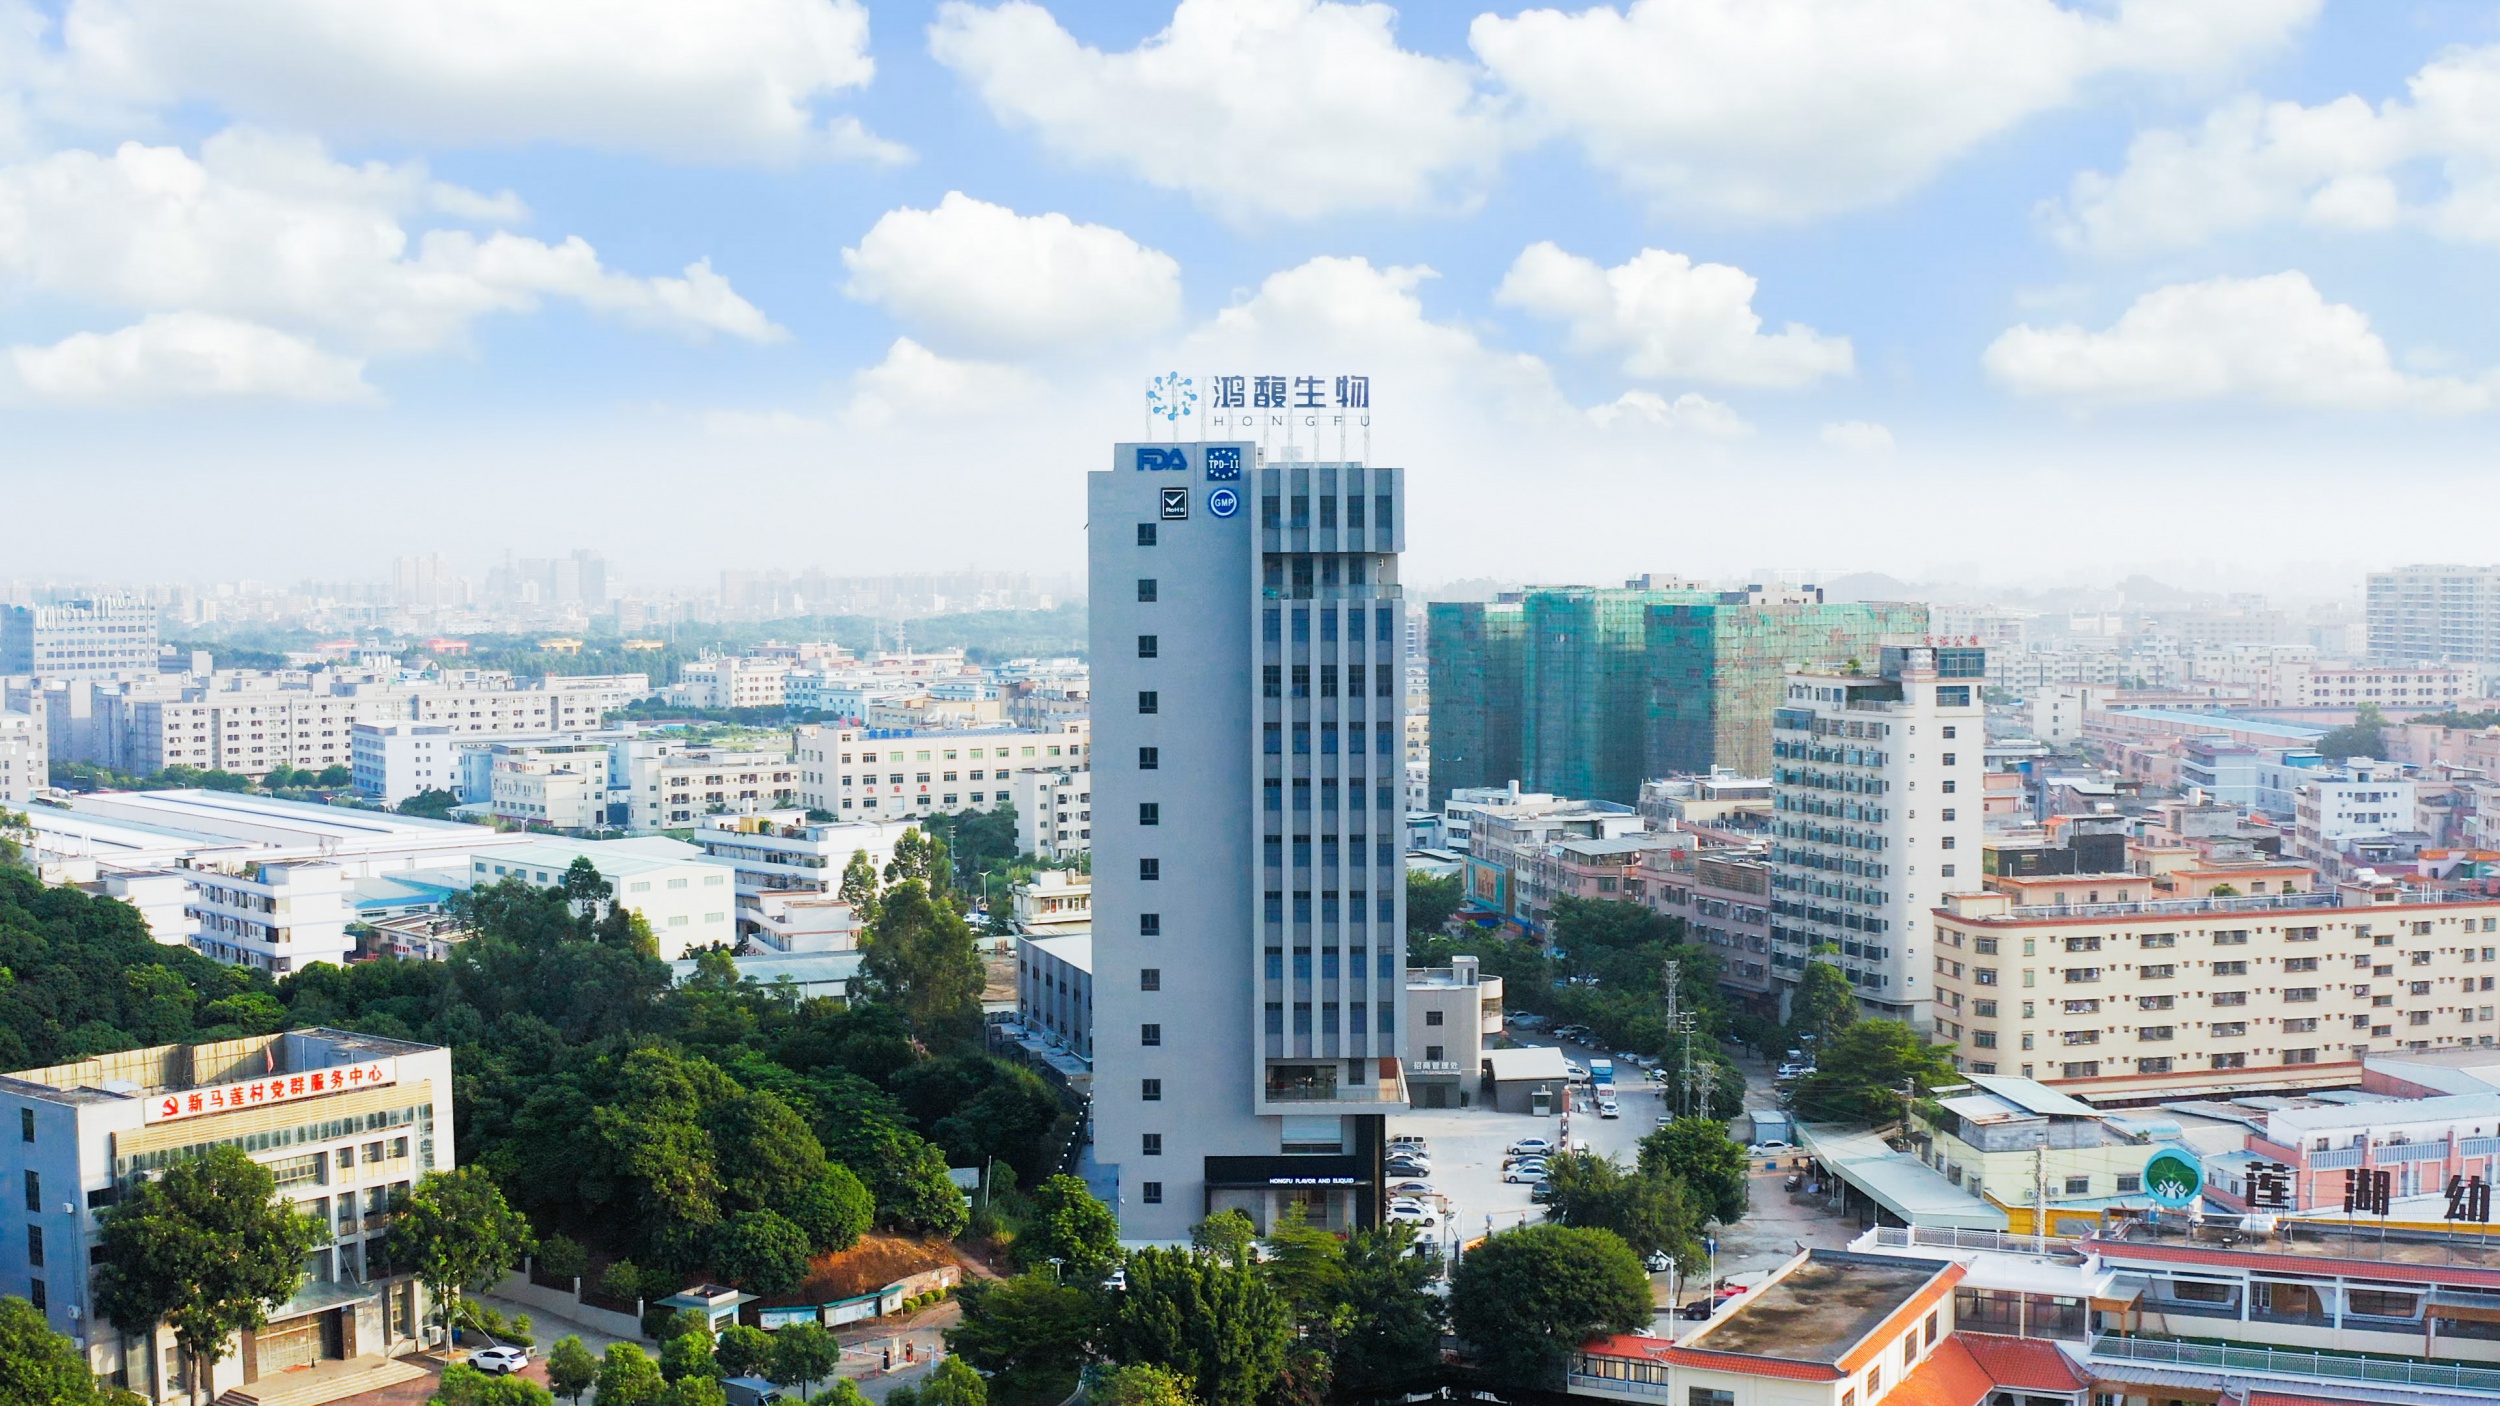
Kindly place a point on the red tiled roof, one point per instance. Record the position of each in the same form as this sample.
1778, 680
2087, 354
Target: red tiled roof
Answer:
1631, 1345
1949, 1376
1753, 1366
2031, 1364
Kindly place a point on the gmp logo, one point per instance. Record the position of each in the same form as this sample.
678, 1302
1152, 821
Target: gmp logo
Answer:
1223, 502
1162, 458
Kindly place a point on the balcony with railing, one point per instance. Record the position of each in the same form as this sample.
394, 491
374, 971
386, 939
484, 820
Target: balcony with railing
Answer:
2286, 1362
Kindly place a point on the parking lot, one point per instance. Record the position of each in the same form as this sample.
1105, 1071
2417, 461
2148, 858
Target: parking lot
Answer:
1467, 1145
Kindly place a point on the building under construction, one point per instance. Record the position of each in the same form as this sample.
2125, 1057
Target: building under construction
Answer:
1587, 691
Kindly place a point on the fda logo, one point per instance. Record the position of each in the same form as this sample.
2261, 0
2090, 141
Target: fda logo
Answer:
1223, 463
1162, 458
1175, 504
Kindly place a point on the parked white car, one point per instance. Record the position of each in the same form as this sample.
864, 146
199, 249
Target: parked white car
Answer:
500, 1361
1530, 1147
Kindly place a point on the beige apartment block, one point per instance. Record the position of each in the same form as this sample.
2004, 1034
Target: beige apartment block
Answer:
2102, 990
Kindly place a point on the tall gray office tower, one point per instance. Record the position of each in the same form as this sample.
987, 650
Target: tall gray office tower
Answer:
1249, 880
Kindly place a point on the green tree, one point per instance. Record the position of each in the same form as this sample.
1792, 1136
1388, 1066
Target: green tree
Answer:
743, 1351
624, 1281
1698, 1152
688, 1355
1823, 1006
1392, 1331
464, 1385
859, 888
803, 1355
954, 1383
921, 956
1221, 1326
563, 1257
1140, 1384
1863, 1072
584, 886
1227, 1235
2364, 736
1307, 1266
1431, 901
1030, 1330
570, 1368
843, 1392
39, 1367
1068, 1224
923, 856
1652, 1212
696, 1391
1525, 1299
628, 1377
835, 1209
206, 1250
762, 1252
457, 1234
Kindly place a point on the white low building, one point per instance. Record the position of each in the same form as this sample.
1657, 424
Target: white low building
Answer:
793, 923
688, 898
731, 682
669, 787
565, 792
280, 916
862, 773
1055, 903
25, 765
344, 1122
1054, 812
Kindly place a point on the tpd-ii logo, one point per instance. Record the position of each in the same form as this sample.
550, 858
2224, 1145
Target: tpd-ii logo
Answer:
1223, 463
1162, 458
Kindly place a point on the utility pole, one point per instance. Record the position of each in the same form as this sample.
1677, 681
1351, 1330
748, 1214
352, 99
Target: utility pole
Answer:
2040, 1194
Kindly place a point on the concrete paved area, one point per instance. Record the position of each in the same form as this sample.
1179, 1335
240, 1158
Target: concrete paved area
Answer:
1467, 1147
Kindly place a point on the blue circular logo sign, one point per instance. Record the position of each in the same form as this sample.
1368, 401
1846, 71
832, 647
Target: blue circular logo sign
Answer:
2173, 1178
1223, 502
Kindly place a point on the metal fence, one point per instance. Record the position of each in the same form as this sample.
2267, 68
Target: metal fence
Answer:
2281, 1362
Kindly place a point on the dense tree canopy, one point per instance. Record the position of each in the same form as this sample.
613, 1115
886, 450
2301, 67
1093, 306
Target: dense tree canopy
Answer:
39, 1367
1524, 1299
1221, 1326
1698, 1152
1648, 1207
1864, 1070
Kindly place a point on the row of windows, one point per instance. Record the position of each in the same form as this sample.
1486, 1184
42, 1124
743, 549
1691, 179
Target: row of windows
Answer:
1272, 681
1274, 734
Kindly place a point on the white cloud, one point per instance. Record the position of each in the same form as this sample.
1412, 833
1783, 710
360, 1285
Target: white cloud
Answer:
1669, 318
1858, 437
1689, 411
977, 275
914, 381
2337, 165
272, 231
1783, 109
182, 355
1291, 108
725, 79
2273, 338
1344, 315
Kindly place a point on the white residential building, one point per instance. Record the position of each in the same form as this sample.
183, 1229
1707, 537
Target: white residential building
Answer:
2057, 710
884, 774
250, 726
2363, 800
724, 681
1877, 804
25, 753
393, 761
280, 916
671, 787
565, 792
785, 852
109, 638
1054, 903
1054, 812
688, 898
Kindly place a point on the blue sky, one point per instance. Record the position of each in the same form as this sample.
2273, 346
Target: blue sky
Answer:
1985, 289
